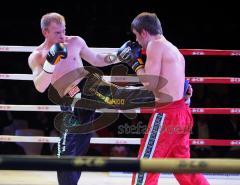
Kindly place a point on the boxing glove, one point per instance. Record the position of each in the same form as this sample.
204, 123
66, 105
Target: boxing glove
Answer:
187, 94
130, 52
57, 52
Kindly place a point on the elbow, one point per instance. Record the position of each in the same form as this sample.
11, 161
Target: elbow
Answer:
40, 88
41, 82
150, 82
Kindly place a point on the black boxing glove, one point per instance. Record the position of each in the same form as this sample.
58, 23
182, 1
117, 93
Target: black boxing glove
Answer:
136, 64
57, 52
130, 52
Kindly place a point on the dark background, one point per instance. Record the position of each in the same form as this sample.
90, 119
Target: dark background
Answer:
193, 24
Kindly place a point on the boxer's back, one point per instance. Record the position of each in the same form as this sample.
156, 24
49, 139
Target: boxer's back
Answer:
172, 71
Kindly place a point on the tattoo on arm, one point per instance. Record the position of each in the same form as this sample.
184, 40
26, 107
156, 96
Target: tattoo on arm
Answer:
110, 58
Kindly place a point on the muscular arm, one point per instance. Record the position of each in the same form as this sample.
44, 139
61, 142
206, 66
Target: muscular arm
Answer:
150, 74
97, 59
41, 79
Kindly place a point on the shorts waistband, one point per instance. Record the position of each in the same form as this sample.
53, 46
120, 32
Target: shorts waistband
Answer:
176, 105
73, 91
78, 88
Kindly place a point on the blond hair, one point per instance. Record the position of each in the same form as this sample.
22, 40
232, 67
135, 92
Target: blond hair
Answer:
51, 17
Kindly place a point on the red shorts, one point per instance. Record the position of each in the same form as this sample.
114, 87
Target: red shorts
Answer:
167, 136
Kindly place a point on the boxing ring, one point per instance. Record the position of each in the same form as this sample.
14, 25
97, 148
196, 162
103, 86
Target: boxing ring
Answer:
106, 169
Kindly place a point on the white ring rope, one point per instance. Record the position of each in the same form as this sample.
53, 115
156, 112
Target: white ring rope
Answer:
44, 139
134, 79
29, 139
56, 108
115, 141
16, 48
5, 48
16, 76
130, 79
